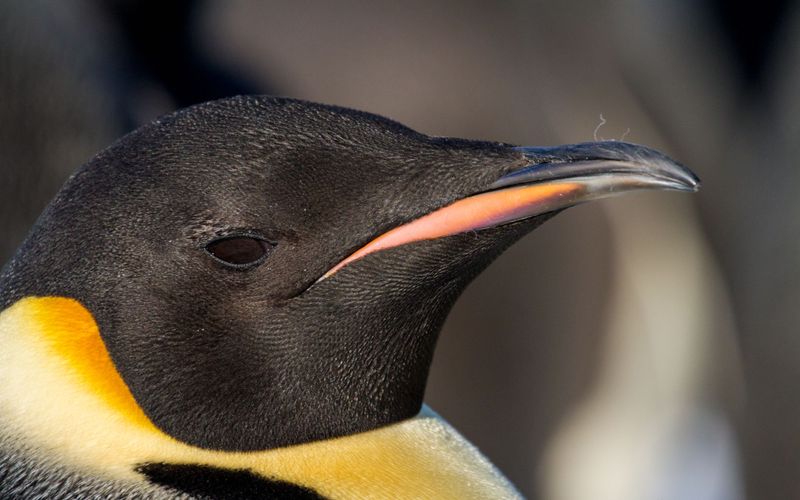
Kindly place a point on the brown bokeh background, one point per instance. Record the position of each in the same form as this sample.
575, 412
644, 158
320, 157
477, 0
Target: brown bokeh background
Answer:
644, 347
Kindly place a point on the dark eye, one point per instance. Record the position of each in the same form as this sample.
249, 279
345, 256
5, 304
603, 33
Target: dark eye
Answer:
239, 251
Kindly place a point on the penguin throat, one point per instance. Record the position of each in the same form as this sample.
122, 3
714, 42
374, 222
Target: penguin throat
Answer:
60, 396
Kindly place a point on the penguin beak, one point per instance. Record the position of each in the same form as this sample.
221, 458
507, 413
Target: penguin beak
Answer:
551, 178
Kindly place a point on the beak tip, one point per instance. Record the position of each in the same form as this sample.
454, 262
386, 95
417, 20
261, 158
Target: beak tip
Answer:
681, 178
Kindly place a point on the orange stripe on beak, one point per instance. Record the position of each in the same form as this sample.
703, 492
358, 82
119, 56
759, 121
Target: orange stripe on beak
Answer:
471, 214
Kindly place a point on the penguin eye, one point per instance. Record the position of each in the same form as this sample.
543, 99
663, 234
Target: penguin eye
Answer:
239, 252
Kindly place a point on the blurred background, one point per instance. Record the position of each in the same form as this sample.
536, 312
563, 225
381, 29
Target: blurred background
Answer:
644, 347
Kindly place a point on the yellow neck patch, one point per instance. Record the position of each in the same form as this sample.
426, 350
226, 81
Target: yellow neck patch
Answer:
60, 392
69, 332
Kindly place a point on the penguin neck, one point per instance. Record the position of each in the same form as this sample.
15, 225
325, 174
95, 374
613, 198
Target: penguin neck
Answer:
60, 395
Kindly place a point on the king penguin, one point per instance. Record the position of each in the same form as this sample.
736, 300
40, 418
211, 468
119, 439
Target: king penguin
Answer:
242, 299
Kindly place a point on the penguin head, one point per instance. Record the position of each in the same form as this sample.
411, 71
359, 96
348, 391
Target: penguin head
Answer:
267, 272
